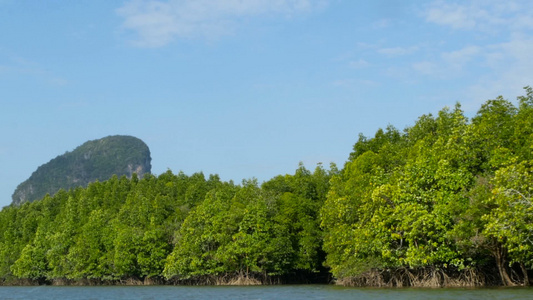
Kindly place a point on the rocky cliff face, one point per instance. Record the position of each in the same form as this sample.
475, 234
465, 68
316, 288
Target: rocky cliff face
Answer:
94, 160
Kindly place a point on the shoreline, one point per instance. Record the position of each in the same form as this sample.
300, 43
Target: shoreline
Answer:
401, 278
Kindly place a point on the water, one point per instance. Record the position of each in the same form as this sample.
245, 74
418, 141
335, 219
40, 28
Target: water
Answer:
304, 292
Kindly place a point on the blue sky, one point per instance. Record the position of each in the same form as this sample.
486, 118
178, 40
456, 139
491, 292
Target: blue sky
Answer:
244, 88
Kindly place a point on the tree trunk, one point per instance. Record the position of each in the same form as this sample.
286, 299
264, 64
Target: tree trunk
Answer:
524, 271
499, 254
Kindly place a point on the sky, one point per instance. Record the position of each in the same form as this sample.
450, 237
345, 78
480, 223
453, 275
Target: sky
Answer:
245, 88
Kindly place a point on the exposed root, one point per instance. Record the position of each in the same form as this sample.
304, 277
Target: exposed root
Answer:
238, 280
131, 281
153, 281
22, 282
423, 277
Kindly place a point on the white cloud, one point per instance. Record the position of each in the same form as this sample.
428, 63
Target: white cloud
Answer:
397, 51
354, 83
495, 59
426, 67
449, 64
19, 66
511, 66
58, 81
157, 23
524, 22
459, 58
382, 23
359, 64
489, 16
455, 15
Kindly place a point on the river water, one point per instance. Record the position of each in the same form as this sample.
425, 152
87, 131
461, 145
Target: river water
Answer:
304, 292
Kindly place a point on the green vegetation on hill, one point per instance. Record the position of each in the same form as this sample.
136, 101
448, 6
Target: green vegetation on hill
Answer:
445, 202
94, 160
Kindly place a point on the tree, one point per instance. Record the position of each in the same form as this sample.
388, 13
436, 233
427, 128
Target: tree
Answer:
206, 227
510, 223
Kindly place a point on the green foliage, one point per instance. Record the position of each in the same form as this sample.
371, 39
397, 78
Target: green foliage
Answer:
252, 230
445, 194
510, 222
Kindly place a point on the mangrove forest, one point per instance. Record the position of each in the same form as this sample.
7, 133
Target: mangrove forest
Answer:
444, 202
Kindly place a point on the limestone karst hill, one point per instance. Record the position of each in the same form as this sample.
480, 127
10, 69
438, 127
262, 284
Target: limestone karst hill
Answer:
94, 160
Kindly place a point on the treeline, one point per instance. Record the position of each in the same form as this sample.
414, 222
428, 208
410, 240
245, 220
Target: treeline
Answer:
445, 202
169, 228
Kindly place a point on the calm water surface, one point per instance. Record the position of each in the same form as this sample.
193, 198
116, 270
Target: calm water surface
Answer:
307, 292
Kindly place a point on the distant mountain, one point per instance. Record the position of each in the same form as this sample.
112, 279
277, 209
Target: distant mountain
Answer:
94, 160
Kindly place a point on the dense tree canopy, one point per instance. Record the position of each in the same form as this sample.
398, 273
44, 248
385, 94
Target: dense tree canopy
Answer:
171, 226
447, 201
445, 195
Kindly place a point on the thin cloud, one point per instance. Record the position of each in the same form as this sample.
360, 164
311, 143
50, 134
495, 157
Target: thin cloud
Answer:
359, 64
449, 64
486, 16
157, 23
522, 22
397, 51
382, 23
454, 15
512, 71
459, 58
354, 83
58, 81
19, 66
425, 67
506, 59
